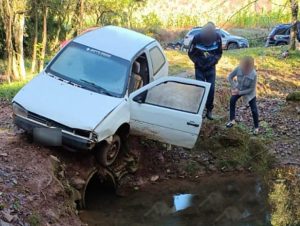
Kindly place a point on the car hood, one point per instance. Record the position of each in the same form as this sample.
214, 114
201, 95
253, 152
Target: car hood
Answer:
64, 103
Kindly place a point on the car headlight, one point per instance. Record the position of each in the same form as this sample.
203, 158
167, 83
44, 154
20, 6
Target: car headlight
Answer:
19, 110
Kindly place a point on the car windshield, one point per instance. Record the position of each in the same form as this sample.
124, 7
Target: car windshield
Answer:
92, 69
226, 33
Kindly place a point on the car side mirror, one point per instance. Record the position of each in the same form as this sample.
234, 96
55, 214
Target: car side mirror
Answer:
140, 98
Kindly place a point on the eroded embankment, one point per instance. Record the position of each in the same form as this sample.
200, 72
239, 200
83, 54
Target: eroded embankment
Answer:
40, 185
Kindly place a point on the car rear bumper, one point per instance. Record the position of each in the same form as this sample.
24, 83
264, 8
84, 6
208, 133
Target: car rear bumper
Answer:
71, 142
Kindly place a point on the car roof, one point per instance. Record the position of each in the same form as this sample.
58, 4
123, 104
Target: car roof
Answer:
115, 40
283, 25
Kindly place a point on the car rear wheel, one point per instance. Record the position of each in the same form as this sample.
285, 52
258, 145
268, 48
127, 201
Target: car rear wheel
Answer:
233, 45
281, 44
106, 153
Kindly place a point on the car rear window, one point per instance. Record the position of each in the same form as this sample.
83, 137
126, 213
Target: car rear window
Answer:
157, 58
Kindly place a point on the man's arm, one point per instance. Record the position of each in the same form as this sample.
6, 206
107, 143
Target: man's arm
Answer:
215, 59
195, 54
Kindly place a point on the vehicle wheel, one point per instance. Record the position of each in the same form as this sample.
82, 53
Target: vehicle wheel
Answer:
233, 46
107, 153
281, 44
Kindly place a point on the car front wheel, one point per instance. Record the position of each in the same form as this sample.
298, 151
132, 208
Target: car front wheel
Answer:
106, 153
233, 46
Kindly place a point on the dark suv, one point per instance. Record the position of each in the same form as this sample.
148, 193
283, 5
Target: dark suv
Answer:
280, 35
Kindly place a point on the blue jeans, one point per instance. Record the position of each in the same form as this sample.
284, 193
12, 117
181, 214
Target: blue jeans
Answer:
210, 77
253, 107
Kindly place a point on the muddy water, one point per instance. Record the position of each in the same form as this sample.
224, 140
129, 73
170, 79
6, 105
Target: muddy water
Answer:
216, 200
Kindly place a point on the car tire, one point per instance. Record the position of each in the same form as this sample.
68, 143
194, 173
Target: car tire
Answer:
232, 46
281, 43
106, 153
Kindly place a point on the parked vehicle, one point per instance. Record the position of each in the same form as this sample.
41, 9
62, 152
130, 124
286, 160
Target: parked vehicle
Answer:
228, 41
177, 45
280, 35
101, 86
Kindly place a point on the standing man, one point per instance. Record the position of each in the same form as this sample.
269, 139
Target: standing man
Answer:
206, 51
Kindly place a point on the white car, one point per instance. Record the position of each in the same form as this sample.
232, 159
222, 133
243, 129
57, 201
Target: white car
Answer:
105, 84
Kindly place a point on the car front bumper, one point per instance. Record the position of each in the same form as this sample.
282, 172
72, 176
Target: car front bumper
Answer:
243, 45
69, 141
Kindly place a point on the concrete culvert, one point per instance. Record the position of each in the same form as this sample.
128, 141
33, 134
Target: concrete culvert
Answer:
96, 184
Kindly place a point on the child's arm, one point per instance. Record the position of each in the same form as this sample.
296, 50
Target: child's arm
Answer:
231, 76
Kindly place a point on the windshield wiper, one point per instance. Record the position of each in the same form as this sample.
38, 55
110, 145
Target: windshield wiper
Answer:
97, 88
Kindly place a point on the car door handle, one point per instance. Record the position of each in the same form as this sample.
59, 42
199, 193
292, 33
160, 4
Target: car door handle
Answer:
191, 123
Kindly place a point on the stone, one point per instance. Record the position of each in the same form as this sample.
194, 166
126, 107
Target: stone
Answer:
78, 183
54, 158
3, 223
154, 178
7, 217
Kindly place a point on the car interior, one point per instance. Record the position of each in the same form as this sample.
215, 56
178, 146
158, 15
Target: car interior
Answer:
140, 73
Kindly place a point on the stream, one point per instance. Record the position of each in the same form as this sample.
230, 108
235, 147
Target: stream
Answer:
239, 200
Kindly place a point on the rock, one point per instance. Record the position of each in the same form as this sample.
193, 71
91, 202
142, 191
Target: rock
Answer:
212, 168
78, 183
7, 217
3, 223
54, 158
3, 154
154, 178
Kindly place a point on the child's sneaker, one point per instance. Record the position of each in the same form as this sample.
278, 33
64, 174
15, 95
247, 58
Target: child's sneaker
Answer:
256, 131
230, 124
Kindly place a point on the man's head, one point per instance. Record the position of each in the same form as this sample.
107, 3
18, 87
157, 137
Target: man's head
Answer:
209, 29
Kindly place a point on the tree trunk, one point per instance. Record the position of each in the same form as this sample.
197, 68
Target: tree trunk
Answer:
35, 41
20, 73
294, 9
13, 20
44, 39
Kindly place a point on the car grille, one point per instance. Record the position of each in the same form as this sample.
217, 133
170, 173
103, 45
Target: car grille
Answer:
51, 123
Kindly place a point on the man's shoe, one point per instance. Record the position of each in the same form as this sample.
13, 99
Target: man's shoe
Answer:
209, 115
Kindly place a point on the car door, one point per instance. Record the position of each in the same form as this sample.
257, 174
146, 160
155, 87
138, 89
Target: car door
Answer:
169, 110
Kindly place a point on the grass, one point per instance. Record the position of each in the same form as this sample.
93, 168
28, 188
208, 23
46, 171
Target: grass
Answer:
9, 90
277, 76
234, 148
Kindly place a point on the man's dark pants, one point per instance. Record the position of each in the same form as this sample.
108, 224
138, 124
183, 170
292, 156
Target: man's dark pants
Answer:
253, 107
210, 77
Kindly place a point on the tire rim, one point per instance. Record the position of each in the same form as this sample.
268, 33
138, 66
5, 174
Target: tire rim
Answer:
113, 151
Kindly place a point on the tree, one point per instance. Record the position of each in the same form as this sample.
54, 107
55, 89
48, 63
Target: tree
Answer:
13, 17
294, 9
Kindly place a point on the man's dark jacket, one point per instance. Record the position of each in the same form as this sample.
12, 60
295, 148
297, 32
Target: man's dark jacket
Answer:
205, 52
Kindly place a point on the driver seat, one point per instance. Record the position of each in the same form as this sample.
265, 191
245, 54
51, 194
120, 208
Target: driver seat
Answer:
138, 80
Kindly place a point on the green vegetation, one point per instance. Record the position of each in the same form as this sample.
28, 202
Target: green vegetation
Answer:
34, 219
294, 96
277, 75
234, 148
285, 197
9, 90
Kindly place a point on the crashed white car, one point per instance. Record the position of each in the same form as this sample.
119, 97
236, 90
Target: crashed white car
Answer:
105, 84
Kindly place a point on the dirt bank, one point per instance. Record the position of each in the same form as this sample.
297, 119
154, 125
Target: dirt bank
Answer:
35, 181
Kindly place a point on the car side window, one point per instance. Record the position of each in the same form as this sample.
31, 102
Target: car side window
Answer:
175, 95
157, 58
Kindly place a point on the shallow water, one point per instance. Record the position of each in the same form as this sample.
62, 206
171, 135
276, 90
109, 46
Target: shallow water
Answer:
232, 200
